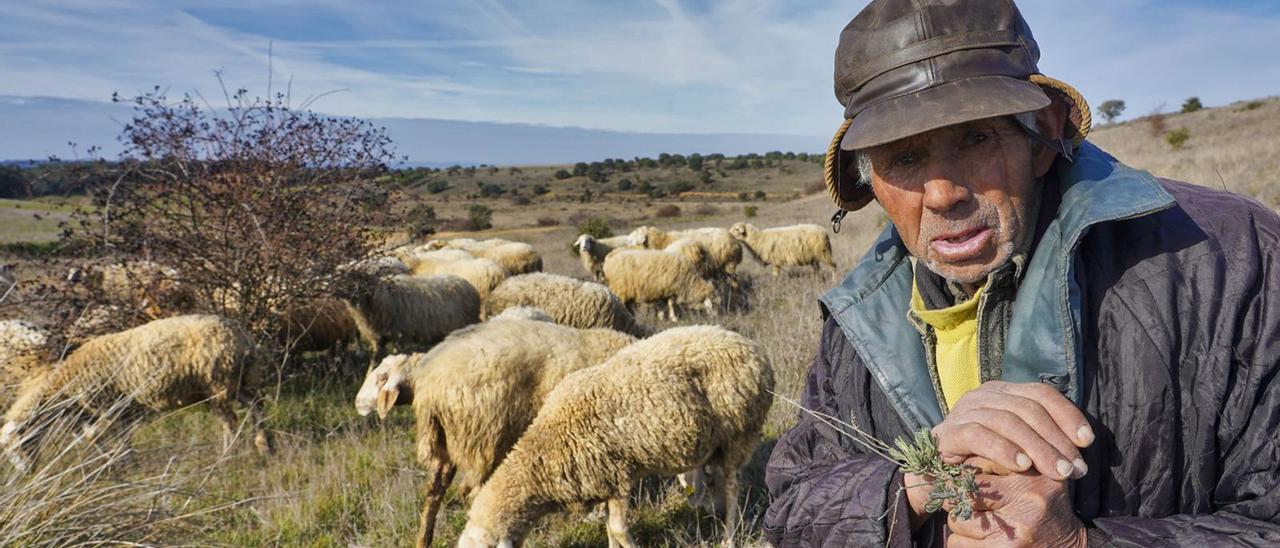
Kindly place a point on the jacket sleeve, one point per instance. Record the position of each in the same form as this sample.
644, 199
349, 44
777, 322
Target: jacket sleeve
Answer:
826, 489
1245, 372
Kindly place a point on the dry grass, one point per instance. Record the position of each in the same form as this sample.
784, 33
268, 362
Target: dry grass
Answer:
340, 479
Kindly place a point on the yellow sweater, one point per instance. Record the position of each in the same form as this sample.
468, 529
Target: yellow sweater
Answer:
956, 331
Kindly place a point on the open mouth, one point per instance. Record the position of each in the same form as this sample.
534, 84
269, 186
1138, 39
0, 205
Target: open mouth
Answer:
962, 245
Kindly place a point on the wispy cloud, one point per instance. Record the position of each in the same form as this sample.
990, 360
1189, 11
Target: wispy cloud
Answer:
761, 66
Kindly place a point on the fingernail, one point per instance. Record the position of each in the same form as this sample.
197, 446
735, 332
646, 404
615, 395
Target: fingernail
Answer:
1064, 469
1024, 462
1080, 468
1085, 434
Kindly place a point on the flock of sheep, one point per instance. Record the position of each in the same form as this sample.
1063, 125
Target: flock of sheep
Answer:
542, 389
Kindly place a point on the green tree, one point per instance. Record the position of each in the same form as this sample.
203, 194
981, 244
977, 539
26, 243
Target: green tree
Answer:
1111, 109
563, 174
1192, 104
695, 162
479, 217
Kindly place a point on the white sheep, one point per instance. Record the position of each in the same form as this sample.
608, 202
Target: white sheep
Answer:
654, 275
476, 392
515, 257
146, 284
22, 350
524, 313
483, 274
161, 365
421, 255
592, 251
687, 398
568, 301
414, 311
723, 251
795, 245
313, 325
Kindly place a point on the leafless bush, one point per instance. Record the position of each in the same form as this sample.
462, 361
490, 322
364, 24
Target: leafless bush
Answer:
255, 206
667, 211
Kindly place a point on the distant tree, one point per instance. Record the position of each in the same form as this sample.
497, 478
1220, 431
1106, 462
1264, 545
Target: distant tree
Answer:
563, 174
757, 163
625, 185
676, 187
695, 162
539, 189
13, 183
704, 176
645, 187
1111, 109
580, 169
1192, 104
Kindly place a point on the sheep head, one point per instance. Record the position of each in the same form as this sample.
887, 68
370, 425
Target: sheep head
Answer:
383, 386
584, 243
475, 536
741, 230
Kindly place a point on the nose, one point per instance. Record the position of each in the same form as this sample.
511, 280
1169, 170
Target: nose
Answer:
942, 192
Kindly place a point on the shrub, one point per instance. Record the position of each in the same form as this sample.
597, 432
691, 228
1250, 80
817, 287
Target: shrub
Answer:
437, 186
625, 185
478, 217
759, 195
818, 185
563, 174
750, 211
548, 221
492, 190
645, 187
743, 196
1251, 105
667, 211
704, 177
676, 187
1192, 104
1111, 109
1177, 138
597, 227
520, 200
1157, 124
420, 221
706, 209
539, 189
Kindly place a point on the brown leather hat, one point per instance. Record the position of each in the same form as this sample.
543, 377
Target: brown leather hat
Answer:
904, 67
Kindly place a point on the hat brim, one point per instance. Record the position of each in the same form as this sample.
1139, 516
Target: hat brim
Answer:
940, 106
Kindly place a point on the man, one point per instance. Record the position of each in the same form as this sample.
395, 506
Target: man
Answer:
1104, 345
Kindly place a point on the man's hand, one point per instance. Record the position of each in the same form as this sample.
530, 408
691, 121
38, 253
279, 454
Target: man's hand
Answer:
1023, 509
1018, 426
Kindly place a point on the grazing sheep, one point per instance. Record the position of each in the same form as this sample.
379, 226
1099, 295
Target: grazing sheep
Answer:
145, 284
592, 252
515, 257
22, 350
687, 398
377, 267
422, 255
161, 365
414, 312
723, 251
653, 275
483, 274
795, 245
316, 325
524, 313
568, 301
476, 392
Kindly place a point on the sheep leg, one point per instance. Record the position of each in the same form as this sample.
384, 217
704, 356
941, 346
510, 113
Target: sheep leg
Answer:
730, 470
261, 437
619, 536
777, 270
221, 408
671, 310
439, 476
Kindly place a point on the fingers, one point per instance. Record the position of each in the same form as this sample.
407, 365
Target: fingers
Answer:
1005, 438
1064, 413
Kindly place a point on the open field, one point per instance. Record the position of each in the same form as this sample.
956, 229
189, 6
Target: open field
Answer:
339, 479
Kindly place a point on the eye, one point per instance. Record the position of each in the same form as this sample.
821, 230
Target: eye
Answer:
905, 159
975, 137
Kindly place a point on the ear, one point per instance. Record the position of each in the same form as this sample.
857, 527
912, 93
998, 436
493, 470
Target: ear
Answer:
1051, 123
387, 397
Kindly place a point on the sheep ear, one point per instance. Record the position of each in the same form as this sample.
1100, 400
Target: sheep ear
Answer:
387, 397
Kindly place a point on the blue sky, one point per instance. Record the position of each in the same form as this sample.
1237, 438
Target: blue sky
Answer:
656, 66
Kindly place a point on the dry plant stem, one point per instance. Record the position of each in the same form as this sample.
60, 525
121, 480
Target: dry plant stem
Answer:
951, 485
